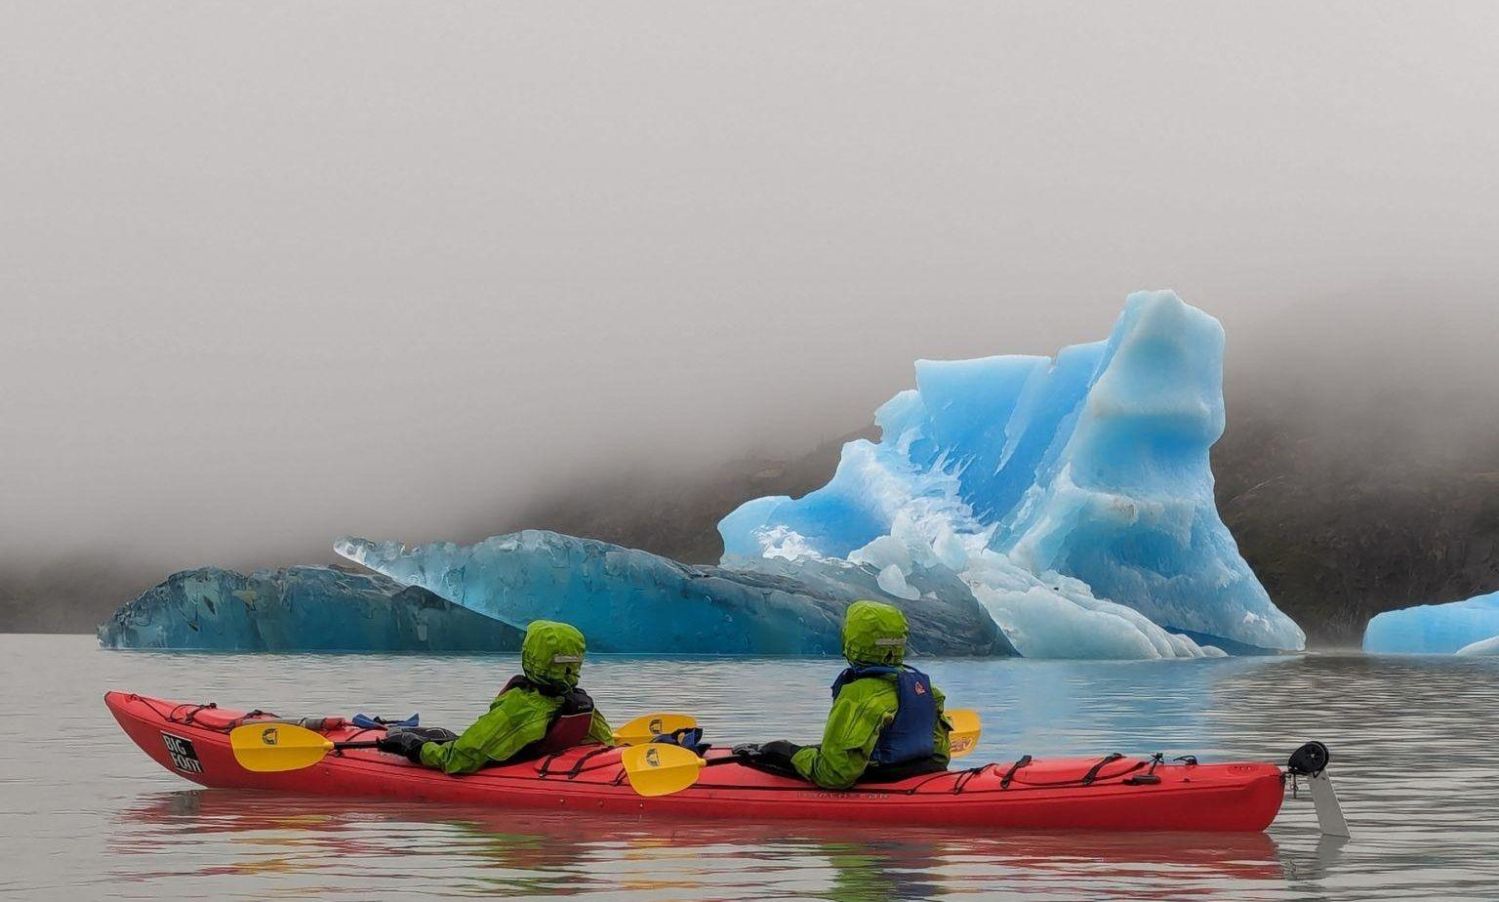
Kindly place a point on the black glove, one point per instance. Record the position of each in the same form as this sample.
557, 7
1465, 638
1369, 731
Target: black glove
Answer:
407, 745
409, 742
779, 752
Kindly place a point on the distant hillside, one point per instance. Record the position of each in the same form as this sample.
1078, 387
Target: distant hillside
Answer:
71, 594
1340, 521
673, 515
656, 510
1339, 529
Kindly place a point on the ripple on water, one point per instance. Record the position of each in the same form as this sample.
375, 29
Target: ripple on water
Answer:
1414, 745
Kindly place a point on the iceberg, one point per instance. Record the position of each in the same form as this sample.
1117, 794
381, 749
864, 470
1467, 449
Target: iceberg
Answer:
299, 609
1051, 507
1072, 495
1484, 648
1467, 628
631, 601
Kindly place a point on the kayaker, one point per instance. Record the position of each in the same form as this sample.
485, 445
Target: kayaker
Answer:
886, 722
538, 712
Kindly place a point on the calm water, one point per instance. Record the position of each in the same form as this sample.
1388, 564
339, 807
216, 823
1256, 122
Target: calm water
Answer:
84, 814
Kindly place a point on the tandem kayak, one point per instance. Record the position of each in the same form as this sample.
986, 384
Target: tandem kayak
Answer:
1112, 793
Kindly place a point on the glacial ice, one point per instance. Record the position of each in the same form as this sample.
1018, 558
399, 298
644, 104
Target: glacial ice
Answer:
1051, 507
1483, 648
1465, 628
1047, 507
630, 601
1073, 496
299, 609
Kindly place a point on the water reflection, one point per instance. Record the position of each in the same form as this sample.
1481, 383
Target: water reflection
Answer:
305, 842
1415, 748
1097, 707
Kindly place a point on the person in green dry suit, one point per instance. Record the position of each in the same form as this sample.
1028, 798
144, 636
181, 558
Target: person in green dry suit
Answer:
537, 713
887, 721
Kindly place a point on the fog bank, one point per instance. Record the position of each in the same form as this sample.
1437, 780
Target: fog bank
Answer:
279, 273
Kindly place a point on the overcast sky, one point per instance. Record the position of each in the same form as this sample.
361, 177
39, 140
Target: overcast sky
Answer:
272, 272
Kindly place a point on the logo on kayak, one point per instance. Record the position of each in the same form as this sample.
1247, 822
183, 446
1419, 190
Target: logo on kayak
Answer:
268, 736
652, 758
184, 756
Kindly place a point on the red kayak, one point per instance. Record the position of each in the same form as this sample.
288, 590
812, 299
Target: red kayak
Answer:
1113, 793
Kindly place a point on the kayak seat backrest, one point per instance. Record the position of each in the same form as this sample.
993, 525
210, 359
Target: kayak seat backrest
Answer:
566, 731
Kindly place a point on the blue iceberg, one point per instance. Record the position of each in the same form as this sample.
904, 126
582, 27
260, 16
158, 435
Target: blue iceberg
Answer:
299, 609
630, 601
1067, 502
1468, 628
1073, 495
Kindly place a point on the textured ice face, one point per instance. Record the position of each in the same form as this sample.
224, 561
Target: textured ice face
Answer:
1463, 627
1074, 496
1067, 500
630, 601
1483, 648
299, 609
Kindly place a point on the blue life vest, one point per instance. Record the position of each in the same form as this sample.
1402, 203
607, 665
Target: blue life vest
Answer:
908, 738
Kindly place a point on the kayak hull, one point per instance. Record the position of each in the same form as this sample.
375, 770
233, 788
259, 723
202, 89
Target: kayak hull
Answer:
192, 740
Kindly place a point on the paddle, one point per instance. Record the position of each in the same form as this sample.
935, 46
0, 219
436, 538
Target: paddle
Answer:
271, 746
657, 769
647, 727
268, 748
653, 768
966, 727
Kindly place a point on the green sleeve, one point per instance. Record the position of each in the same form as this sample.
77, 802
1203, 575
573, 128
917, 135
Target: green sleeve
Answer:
860, 712
515, 720
599, 730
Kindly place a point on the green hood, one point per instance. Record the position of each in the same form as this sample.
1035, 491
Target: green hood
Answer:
552, 653
874, 633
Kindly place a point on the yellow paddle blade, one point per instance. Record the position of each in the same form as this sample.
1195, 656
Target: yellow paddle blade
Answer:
647, 727
657, 769
270, 747
966, 728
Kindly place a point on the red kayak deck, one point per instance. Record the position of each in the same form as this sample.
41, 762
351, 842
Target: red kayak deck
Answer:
192, 740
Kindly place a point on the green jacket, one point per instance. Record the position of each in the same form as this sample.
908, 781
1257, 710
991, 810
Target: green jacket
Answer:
860, 712
516, 718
